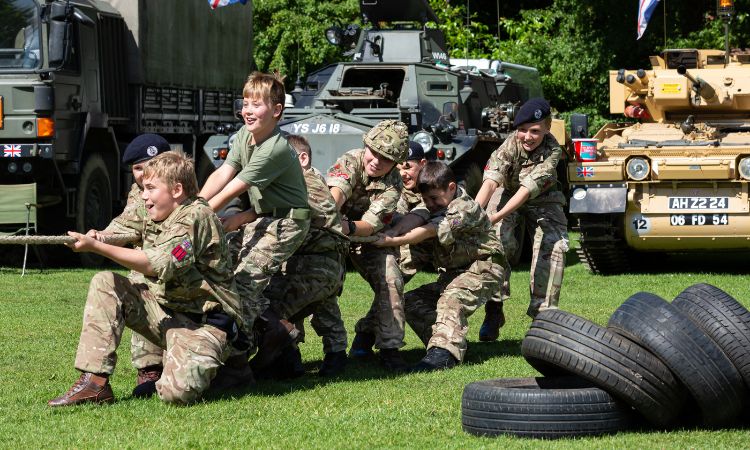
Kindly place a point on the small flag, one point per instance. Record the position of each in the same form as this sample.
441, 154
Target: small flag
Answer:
11, 151
645, 9
216, 3
584, 172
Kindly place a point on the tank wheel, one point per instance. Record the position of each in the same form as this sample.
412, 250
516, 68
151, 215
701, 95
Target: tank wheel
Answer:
602, 245
94, 203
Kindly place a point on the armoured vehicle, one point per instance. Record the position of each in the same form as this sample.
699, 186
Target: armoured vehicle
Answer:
676, 181
459, 110
79, 79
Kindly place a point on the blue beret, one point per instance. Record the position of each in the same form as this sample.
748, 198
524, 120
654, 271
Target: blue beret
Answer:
144, 147
416, 152
534, 110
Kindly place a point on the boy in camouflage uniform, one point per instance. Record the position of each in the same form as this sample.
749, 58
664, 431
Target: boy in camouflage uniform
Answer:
367, 188
146, 357
470, 262
262, 163
524, 166
311, 280
186, 302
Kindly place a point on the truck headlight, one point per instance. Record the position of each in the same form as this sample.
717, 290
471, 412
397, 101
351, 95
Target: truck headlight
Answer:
425, 139
744, 168
638, 169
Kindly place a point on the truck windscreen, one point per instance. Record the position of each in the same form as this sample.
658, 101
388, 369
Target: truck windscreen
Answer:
19, 35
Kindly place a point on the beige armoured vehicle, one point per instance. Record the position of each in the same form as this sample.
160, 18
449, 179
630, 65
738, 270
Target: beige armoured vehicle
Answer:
678, 180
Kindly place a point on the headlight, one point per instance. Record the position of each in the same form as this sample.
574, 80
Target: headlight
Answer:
638, 169
744, 168
425, 139
333, 35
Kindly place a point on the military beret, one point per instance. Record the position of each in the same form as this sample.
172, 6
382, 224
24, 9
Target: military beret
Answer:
416, 152
534, 110
144, 147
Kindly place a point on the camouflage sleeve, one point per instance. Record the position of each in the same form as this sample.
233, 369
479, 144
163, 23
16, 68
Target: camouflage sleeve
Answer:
132, 218
498, 165
544, 175
343, 174
383, 203
174, 250
459, 215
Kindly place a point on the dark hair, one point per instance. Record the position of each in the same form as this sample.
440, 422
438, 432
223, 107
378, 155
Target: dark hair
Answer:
299, 144
435, 175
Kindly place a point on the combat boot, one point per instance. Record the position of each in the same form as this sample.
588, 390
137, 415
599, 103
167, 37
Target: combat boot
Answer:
436, 359
494, 319
90, 388
146, 381
390, 358
235, 373
333, 364
276, 335
362, 345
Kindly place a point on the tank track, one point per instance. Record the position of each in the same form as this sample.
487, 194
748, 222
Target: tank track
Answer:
602, 247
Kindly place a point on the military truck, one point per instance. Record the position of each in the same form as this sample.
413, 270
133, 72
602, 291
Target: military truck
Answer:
79, 79
459, 110
677, 180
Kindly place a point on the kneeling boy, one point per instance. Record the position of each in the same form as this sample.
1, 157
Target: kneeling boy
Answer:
470, 260
187, 302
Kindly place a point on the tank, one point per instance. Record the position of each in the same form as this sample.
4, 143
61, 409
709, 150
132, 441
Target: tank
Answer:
675, 181
459, 110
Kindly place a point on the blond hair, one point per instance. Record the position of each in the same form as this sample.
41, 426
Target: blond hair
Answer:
173, 167
265, 86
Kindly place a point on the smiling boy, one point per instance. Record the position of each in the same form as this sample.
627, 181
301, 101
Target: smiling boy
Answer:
470, 262
186, 302
525, 166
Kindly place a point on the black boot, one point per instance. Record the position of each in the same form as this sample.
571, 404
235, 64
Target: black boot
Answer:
436, 359
333, 364
494, 319
276, 334
391, 359
362, 345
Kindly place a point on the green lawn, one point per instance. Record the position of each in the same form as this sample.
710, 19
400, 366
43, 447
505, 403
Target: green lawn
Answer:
40, 318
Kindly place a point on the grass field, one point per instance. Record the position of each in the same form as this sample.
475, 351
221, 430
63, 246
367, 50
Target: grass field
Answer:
40, 319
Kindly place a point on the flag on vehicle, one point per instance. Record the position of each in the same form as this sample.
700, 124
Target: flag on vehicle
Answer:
11, 151
216, 3
645, 9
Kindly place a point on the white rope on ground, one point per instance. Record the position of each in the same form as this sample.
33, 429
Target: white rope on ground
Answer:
64, 239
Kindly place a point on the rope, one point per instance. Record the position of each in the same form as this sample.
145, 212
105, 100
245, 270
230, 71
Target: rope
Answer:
50, 240
363, 239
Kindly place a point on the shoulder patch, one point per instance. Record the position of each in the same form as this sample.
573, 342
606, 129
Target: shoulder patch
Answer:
338, 175
181, 250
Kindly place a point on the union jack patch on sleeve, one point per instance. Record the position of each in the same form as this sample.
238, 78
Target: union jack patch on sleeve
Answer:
181, 251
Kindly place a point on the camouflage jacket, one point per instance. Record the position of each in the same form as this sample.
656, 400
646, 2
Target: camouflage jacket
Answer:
511, 167
325, 234
133, 218
464, 234
189, 254
372, 200
411, 202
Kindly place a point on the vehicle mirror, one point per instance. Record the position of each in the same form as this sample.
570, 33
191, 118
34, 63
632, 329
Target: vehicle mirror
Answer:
59, 42
237, 108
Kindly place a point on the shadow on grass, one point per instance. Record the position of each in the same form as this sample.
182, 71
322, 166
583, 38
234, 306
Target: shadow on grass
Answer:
364, 369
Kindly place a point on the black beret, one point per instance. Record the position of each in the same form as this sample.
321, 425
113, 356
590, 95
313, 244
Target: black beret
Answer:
534, 110
416, 151
144, 147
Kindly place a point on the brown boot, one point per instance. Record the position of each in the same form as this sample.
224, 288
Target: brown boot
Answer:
146, 382
90, 388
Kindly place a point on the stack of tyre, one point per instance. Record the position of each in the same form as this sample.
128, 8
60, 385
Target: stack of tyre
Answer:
656, 364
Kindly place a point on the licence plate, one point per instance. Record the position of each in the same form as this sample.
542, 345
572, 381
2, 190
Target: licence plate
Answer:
698, 202
679, 220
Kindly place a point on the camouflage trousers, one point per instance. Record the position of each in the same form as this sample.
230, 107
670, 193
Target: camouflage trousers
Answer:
438, 312
548, 224
310, 284
192, 352
385, 319
413, 258
142, 352
258, 250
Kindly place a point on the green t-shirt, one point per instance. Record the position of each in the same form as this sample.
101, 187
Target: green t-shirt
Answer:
271, 169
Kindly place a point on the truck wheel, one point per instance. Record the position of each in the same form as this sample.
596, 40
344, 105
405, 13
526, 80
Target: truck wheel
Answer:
561, 343
722, 318
548, 408
94, 203
693, 357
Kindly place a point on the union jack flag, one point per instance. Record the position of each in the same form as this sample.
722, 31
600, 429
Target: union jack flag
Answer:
12, 150
584, 172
